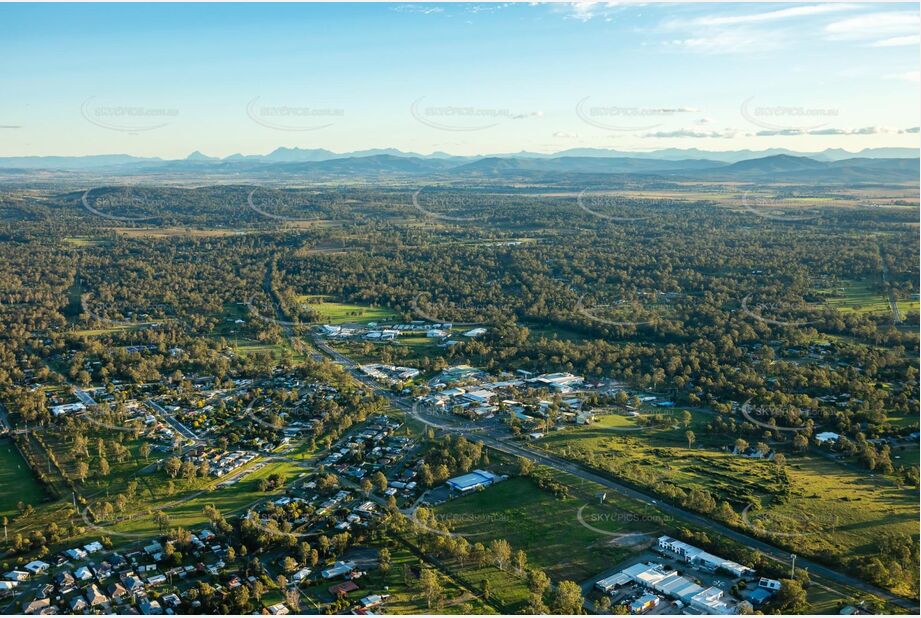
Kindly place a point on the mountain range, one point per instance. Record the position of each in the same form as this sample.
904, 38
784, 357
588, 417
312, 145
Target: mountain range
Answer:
834, 166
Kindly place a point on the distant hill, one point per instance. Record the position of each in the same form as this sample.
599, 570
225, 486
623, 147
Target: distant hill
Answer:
285, 164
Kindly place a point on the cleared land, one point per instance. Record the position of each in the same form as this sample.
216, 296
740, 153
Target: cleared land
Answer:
17, 481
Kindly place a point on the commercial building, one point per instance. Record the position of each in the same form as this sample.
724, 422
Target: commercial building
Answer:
473, 480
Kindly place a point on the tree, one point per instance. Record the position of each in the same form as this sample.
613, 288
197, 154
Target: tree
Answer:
431, 587
289, 565
380, 481
780, 460
172, 466
520, 561
366, 487
603, 605
740, 445
567, 599
538, 582
800, 442
293, 599
686, 418
162, 520
383, 560
104, 467
144, 451
691, 437
525, 466
501, 552
81, 470
791, 598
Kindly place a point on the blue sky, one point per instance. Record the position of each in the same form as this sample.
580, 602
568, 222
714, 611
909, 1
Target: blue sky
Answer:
164, 80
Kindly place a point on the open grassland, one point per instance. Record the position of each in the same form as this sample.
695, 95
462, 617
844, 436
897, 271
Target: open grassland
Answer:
814, 505
571, 538
170, 232
17, 481
856, 296
185, 509
332, 312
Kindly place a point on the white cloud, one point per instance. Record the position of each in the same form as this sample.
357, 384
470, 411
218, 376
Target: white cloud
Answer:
767, 16
871, 25
690, 133
587, 10
565, 135
724, 42
898, 41
417, 8
835, 132
907, 76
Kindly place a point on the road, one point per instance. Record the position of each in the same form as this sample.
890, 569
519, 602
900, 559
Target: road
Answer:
185, 431
893, 304
564, 465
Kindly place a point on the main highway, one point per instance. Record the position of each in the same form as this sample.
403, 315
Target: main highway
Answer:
506, 445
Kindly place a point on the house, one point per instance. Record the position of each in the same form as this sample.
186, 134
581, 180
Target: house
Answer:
473, 480
76, 553
78, 603
343, 588
769, 584
150, 608
38, 606
475, 332
372, 600
37, 567
7, 587
301, 575
279, 609
67, 408
95, 597
16, 576
171, 600
117, 592
83, 573
92, 548
340, 568
827, 436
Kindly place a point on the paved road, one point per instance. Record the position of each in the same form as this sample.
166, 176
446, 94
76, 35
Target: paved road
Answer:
552, 461
185, 431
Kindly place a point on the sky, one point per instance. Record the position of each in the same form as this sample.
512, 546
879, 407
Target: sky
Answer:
168, 79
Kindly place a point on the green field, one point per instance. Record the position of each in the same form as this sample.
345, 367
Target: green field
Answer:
17, 481
552, 531
342, 313
856, 296
818, 506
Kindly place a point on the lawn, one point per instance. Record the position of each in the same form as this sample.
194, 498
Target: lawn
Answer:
17, 481
856, 296
332, 312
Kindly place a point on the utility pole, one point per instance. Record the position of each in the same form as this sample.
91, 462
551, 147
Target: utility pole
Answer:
792, 566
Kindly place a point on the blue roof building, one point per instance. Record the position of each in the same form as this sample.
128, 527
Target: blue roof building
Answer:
473, 480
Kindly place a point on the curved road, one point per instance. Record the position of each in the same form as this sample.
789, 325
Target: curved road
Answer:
564, 465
